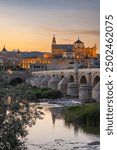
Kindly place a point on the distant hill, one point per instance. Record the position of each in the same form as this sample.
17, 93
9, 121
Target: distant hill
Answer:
32, 54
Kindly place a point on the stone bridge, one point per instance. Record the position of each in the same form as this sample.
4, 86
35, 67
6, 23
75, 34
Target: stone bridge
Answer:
82, 83
23, 75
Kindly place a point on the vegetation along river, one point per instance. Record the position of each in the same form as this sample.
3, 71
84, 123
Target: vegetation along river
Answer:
23, 125
53, 133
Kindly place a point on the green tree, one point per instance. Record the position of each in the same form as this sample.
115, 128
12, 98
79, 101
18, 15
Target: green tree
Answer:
16, 114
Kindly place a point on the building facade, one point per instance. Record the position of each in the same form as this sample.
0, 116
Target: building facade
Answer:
75, 50
11, 59
62, 54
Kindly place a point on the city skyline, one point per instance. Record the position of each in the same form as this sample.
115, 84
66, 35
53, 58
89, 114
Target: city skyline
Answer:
30, 24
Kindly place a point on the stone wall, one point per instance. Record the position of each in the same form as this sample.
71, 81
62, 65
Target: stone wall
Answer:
81, 83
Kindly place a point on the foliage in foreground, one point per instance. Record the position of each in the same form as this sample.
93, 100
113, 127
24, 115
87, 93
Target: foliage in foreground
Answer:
40, 93
15, 115
88, 114
15, 111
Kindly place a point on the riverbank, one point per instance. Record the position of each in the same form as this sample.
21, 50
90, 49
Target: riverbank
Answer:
28, 122
60, 144
87, 114
60, 135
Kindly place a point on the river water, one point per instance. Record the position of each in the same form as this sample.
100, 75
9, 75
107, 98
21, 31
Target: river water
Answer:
52, 133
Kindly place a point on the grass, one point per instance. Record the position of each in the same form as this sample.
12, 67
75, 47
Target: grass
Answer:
88, 114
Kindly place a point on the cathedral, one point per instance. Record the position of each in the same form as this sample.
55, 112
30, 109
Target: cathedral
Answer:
75, 50
61, 54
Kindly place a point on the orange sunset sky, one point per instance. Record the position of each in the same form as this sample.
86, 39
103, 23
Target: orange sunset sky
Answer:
30, 24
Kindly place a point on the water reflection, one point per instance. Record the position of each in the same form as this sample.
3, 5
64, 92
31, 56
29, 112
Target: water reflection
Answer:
54, 133
57, 113
86, 129
15, 116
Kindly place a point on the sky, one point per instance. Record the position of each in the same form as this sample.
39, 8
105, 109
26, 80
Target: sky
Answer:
29, 25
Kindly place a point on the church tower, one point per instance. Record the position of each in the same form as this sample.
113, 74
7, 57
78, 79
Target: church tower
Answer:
53, 44
54, 40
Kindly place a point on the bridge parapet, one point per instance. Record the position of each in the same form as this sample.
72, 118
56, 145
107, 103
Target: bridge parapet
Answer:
70, 72
87, 79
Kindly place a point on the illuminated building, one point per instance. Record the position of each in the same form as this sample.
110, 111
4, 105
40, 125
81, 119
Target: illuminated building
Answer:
75, 50
62, 54
28, 61
11, 59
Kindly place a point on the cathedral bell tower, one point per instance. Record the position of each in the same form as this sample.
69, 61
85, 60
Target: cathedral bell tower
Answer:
53, 44
54, 40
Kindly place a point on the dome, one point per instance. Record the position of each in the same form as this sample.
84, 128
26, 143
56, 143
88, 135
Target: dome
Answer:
78, 42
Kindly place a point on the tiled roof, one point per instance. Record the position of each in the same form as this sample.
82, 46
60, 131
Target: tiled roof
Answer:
62, 46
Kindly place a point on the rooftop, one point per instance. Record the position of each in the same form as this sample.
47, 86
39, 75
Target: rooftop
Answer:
78, 42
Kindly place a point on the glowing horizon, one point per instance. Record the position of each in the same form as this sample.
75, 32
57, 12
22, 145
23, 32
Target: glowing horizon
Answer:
29, 25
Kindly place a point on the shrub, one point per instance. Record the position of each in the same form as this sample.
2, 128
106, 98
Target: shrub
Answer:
16, 81
39, 93
88, 114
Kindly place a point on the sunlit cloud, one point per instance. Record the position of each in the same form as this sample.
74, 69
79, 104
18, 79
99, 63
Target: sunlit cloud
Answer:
72, 31
30, 24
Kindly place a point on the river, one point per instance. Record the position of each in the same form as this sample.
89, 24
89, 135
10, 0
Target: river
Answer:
52, 133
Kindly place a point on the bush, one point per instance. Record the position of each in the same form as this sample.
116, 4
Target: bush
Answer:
39, 93
16, 81
86, 114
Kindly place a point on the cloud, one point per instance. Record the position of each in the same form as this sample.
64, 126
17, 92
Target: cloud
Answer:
67, 40
92, 32
72, 31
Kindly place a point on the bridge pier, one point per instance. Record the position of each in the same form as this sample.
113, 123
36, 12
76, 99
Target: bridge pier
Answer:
53, 82
81, 86
96, 92
62, 85
44, 82
39, 80
85, 93
85, 90
73, 90
76, 71
34, 83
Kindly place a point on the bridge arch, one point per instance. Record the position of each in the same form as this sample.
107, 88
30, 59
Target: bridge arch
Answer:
53, 75
83, 78
62, 75
95, 79
71, 78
